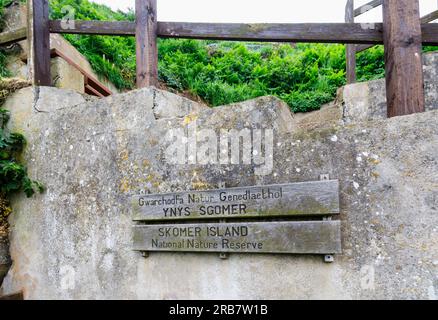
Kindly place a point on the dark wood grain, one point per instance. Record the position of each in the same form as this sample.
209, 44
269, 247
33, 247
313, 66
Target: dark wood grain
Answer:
403, 57
430, 34
146, 39
350, 49
41, 34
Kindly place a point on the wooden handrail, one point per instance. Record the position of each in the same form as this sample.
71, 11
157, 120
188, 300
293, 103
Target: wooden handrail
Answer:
367, 7
426, 19
299, 32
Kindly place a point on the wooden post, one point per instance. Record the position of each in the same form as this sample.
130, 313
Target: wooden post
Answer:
41, 43
30, 52
146, 39
350, 48
403, 59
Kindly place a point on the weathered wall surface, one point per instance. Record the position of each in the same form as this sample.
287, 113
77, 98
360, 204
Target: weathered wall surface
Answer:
5, 260
75, 240
367, 100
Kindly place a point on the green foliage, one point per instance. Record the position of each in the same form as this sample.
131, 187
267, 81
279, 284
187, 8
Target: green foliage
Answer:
13, 175
3, 71
112, 57
305, 76
371, 64
3, 5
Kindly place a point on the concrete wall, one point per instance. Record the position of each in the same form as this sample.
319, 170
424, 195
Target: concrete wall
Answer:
74, 241
367, 100
65, 75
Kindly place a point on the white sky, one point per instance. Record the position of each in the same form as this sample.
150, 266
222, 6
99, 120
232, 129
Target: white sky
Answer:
257, 11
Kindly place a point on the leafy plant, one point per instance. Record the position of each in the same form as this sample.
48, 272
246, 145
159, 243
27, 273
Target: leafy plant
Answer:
3, 5
13, 175
306, 76
4, 72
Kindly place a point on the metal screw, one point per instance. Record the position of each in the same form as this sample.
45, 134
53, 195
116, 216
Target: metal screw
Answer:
223, 256
324, 177
145, 254
329, 258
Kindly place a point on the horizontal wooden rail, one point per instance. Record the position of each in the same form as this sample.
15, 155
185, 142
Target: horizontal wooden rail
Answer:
367, 7
306, 32
430, 17
9, 37
426, 19
108, 28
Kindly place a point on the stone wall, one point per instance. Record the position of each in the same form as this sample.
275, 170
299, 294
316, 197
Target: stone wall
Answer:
75, 240
367, 100
5, 261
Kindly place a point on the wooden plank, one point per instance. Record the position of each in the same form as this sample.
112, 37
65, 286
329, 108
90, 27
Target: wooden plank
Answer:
313, 32
363, 47
9, 37
90, 90
403, 57
109, 28
367, 7
146, 43
11, 297
310, 237
283, 200
306, 32
29, 43
430, 17
430, 34
425, 19
327, 32
350, 50
41, 43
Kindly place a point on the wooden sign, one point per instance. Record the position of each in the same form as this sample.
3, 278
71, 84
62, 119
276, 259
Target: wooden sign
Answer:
311, 237
284, 200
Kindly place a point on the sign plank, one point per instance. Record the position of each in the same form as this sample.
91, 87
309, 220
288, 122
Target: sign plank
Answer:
312, 237
296, 199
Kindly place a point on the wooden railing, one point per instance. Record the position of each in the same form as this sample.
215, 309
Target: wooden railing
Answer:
402, 34
352, 50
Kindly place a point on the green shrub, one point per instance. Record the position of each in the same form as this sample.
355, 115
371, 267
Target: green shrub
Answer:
3, 5
13, 175
4, 72
304, 75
